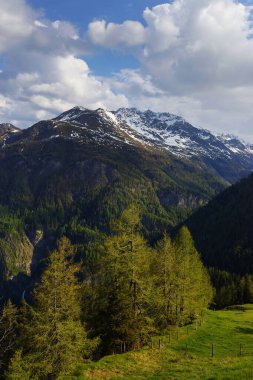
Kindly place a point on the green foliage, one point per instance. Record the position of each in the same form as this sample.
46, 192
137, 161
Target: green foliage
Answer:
19, 368
231, 289
222, 230
181, 283
53, 337
8, 334
122, 286
137, 289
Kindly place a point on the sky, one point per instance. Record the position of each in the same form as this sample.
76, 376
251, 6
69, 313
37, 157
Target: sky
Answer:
193, 58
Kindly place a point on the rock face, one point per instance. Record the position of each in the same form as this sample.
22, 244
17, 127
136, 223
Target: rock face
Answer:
16, 252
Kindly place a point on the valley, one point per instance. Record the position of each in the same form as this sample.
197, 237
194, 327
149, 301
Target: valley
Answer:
104, 197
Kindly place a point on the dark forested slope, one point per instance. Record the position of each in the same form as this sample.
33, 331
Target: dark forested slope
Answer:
223, 229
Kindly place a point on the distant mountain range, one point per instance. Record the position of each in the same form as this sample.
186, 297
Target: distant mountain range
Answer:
227, 155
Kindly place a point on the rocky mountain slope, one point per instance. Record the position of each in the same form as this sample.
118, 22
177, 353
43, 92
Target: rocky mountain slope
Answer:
229, 156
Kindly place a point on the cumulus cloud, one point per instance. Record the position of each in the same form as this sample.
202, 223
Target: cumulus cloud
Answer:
42, 72
16, 22
195, 59
130, 33
195, 54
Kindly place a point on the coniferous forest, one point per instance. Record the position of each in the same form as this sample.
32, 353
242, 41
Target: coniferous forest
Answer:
111, 298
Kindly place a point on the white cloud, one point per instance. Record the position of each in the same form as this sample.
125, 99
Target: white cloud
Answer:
195, 59
16, 23
197, 55
42, 73
130, 33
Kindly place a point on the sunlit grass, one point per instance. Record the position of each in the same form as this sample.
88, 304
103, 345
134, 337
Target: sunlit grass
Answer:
189, 356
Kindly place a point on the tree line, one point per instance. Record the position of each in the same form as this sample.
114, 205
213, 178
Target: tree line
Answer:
122, 292
231, 289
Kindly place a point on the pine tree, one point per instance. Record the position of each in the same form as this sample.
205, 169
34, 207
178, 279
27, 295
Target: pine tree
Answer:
55, 337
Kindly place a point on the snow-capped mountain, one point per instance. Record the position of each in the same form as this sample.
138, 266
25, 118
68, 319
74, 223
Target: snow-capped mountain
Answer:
173, 133
157, 130
163, 132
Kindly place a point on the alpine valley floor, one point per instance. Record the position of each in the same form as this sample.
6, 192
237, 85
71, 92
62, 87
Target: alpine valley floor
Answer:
191, 356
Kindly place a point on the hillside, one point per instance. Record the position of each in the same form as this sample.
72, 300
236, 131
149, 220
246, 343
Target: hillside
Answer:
222, 230
76, 173
228, 331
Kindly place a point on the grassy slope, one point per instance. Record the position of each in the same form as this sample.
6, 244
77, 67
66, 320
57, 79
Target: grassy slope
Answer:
225, 329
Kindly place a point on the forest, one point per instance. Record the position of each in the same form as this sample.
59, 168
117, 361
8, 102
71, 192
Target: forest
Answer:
112, 297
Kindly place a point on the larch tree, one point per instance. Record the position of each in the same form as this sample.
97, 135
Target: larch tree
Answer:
194, 287
122, 291
8, 334
55, 338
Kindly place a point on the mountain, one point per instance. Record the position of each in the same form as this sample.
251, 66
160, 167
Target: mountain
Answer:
74, 175
230, 157
6, 130
222, 230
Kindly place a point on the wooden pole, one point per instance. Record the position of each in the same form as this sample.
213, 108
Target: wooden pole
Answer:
212, 350
159, 344
240, 350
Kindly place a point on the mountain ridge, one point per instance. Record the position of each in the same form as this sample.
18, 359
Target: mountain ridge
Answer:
227, 155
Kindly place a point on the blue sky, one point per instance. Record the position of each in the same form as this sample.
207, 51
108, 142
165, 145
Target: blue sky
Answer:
82, 12
193, 58
102, 62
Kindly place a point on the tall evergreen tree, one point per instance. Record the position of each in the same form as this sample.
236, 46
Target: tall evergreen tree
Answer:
54, 336
122, 291
181, 284
194, 290
163, 277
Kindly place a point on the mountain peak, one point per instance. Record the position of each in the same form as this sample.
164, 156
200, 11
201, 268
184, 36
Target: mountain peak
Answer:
6, 130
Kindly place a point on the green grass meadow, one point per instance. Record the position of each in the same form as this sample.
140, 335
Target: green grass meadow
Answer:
221, 347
